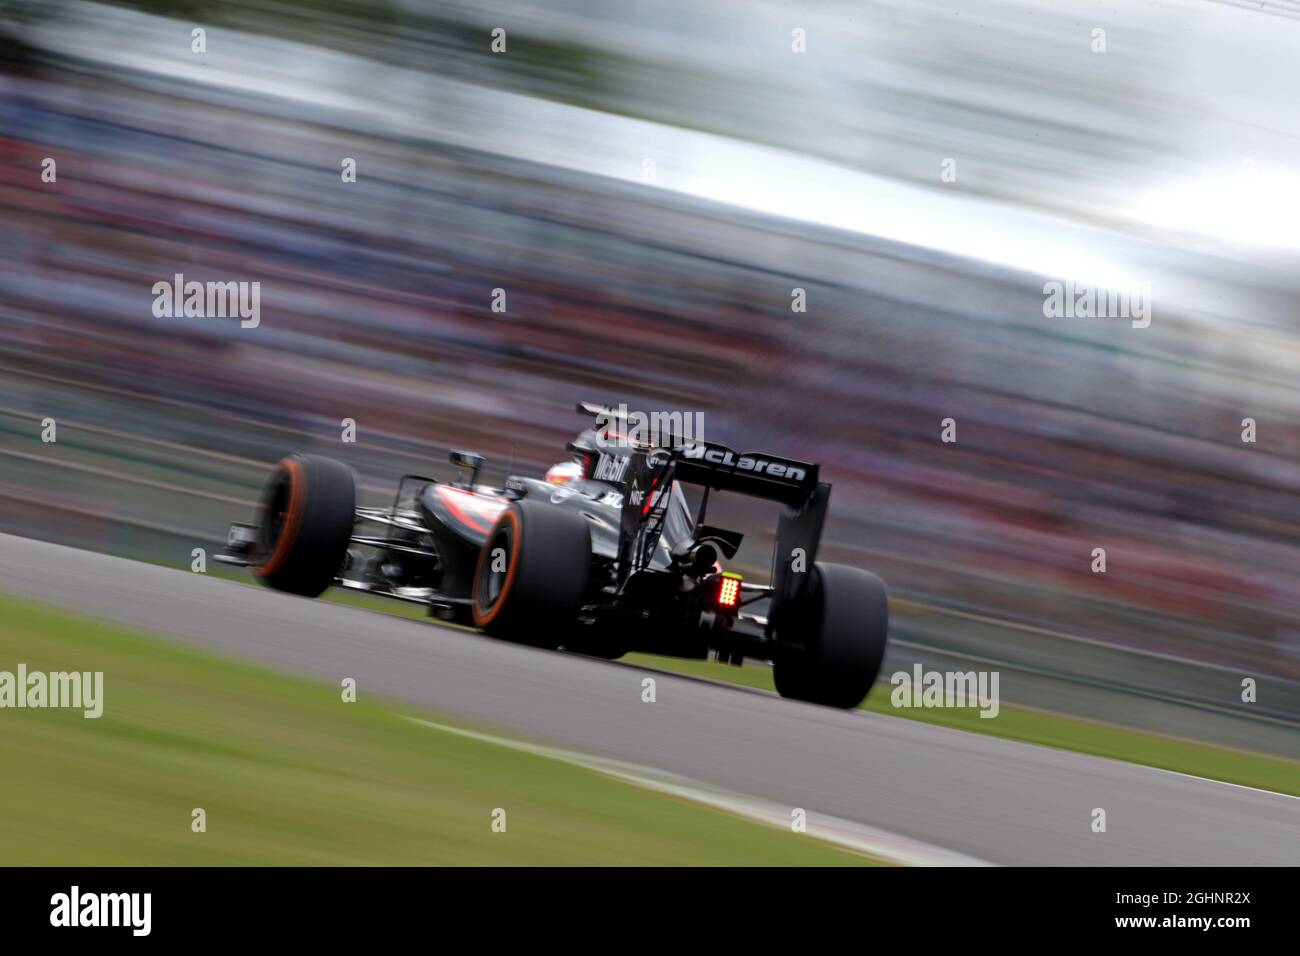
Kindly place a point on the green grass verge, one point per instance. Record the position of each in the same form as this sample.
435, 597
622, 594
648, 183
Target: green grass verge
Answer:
1043, 727
290, 774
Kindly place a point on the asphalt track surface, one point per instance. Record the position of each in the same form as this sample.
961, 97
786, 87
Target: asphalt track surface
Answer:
995, 800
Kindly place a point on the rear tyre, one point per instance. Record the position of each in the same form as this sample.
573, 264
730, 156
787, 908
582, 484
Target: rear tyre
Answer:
305, 524
532, 574
843, 626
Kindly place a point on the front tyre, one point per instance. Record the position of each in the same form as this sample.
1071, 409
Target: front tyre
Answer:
304, 524
532, 574
842, 625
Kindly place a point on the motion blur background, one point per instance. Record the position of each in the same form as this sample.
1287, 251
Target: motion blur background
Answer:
648, 182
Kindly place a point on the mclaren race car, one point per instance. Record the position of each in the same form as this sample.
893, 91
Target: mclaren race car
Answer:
603, 556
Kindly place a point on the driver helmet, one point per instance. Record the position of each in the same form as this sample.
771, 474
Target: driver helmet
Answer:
564, 472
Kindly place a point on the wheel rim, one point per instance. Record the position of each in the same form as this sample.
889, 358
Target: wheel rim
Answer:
274, 514
494, 580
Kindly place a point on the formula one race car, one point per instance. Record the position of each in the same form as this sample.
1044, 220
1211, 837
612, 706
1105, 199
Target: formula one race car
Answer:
603, 558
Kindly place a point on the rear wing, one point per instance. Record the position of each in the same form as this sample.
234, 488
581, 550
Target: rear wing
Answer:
650, 472
711, 465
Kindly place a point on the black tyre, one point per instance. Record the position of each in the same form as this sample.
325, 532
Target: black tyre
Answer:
304, 524
532, 574
842, 625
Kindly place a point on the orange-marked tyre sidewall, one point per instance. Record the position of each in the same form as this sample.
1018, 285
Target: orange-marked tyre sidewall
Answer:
292, 522
483, 618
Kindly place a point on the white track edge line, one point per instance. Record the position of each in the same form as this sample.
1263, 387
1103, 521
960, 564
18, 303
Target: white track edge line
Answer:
881, 844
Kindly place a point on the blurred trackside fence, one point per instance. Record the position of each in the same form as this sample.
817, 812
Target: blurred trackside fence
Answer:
1131, 687
108, 489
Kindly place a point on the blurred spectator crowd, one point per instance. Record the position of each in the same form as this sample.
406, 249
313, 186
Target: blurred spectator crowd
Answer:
456, 297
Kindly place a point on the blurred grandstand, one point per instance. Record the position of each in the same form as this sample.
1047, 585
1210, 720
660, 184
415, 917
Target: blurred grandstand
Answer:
1168, 159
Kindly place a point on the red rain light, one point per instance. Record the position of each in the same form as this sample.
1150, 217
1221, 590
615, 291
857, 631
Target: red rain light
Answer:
729, 591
